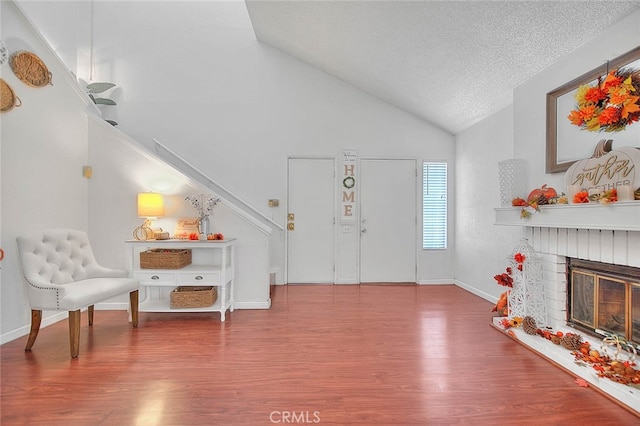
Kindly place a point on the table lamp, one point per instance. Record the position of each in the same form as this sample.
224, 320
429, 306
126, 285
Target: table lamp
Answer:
150, 207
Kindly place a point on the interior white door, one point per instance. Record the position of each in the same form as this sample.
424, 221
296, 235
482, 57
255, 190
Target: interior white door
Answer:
388, 220
311, 207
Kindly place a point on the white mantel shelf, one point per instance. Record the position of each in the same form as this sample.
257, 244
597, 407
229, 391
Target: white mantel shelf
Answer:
620, 216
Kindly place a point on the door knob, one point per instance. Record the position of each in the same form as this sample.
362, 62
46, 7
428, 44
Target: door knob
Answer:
364, 231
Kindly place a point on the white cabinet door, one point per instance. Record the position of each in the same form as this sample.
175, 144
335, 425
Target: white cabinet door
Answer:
311, 201
388, 220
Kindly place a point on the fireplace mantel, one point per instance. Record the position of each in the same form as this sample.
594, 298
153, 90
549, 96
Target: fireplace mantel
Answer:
620, 216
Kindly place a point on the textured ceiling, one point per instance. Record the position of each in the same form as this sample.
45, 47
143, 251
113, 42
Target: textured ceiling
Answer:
451, 63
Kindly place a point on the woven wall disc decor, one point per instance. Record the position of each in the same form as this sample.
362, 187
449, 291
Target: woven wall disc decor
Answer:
8, 99
29, 68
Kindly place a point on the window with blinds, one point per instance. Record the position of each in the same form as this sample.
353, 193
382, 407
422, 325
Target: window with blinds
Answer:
434, 205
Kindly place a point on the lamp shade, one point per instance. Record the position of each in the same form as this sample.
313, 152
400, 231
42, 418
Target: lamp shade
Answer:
150, 204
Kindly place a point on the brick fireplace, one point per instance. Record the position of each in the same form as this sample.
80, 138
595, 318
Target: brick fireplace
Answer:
557, 245
608, 234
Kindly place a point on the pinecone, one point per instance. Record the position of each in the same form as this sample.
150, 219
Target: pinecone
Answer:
542, 200
571, 341
529, 325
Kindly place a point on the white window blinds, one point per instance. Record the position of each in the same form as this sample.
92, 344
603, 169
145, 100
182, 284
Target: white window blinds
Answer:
434, 205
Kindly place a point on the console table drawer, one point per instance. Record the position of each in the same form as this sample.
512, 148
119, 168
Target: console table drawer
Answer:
155, 278
198, 278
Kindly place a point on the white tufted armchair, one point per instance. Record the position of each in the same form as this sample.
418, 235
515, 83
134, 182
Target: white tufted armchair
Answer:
62, 274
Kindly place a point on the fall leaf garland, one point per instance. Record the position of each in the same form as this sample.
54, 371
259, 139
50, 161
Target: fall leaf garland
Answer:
623, 372
606, 197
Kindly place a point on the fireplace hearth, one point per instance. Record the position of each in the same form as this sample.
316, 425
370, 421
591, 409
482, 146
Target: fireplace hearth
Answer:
604, 297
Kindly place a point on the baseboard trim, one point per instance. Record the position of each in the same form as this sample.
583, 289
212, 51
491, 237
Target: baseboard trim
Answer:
24, 330
348, 281
475, 291
58, 316
252, 305
120, 306
436, 282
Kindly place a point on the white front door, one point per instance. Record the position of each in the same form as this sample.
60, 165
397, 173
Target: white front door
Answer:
388, 225
311, 223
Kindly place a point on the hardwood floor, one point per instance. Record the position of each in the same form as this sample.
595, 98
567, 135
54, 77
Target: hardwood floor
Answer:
329, 355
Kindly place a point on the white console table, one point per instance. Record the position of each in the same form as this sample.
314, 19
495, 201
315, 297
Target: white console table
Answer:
213, 264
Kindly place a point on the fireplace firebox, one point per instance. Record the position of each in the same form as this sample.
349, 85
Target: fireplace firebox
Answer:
604, 297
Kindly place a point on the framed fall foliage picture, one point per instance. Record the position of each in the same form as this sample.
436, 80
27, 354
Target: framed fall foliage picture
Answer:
567, 142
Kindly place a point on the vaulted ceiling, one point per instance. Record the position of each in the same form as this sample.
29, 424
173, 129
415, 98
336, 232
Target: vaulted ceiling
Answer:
451, 63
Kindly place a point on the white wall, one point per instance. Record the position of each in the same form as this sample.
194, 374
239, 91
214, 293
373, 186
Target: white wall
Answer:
43, 150
45, 144
194, 77
237, 111
122, 169
480, 247
255, 105
516, 132
70, 42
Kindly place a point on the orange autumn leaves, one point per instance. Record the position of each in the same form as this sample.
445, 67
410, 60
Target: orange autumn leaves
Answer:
505, 279
610, 105
581, 197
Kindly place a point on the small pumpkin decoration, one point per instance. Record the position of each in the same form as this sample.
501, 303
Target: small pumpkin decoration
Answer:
502, 306
606, 169
519, 202
542, 195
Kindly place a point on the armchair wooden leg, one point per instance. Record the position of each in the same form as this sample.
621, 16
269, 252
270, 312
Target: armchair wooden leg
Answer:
74, 333
36, 319
133, 301
90, 314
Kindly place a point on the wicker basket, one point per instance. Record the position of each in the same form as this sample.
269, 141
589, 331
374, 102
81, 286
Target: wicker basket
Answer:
193, 297
29, 68
8, 98
165, 258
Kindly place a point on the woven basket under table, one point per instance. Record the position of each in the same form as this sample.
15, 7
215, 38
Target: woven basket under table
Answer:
165, 258
193, 297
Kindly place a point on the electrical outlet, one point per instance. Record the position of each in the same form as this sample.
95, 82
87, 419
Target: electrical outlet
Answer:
346, 229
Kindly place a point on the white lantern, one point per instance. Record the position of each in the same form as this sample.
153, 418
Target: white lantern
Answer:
527, 295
